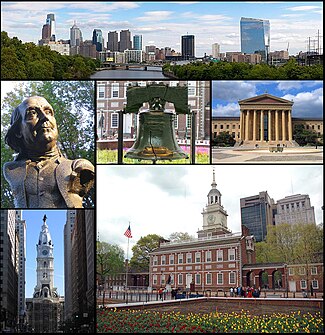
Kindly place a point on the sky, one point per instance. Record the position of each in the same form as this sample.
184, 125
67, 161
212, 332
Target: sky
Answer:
55, 221
162, 23
166, 199
307, 95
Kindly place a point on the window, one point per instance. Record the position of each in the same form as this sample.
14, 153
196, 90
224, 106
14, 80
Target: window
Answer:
101, 92
191, 88
221, 126
114, 87
313, 270
208, 278
302, 271
198, 279
291, 271
114, 120
198, 257
208, 256
171, 259
227, 126
220, 278
180, 279
303, 284
162, 281
175, 121
231, 254
188, 258
180, 259
155, 260
292, 206
188, 121
171, 279
297, 204
163, 260
154, 279
219, 255
314, 283
114, 104
232, 278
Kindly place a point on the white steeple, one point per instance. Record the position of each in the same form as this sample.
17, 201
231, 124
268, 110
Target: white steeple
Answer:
45, 265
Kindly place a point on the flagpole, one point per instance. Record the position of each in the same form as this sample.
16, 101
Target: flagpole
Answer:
127, 264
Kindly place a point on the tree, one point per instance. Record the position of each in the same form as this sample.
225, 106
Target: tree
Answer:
141, 250
73, 104
180, 237
109, 259
304, 136
224, 139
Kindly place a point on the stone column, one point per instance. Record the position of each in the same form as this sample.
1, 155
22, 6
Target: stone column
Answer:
283, 126
277, 126
247, 126
262, 126
242, 125
254, 126
270, 127
289, 125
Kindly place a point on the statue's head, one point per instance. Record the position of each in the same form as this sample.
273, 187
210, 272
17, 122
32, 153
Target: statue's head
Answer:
33, 127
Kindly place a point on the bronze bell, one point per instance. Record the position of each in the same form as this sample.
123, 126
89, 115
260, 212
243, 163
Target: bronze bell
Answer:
156, 137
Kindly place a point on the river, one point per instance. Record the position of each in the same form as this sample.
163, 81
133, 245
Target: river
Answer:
137, 73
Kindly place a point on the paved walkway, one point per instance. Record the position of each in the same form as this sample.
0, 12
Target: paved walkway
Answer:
309, 155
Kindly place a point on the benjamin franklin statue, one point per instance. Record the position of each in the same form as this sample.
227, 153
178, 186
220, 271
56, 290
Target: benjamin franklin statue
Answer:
40, 176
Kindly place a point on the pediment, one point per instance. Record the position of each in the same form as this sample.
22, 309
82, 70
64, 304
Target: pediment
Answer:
265, 99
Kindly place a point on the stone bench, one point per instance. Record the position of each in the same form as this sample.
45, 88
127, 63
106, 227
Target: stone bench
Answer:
275, 149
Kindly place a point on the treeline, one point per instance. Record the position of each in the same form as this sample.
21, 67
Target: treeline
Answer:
29, 61
242, 71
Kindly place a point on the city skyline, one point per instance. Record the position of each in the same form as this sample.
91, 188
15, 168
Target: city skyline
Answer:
291, 23
306, 95
163, 200
55, 221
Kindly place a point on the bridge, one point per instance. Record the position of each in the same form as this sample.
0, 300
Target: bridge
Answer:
129, 66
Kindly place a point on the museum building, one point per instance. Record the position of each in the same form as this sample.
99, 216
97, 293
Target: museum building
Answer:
264, 120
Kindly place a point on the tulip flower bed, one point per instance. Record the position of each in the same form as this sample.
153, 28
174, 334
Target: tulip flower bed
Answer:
148, 321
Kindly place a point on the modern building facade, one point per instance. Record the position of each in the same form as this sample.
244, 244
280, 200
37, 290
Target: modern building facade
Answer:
98, 39
45, 309
125, 40
256, 214
211, 262
75, 36
216, 50
112, 41
137, 42
295, 209
255, 36
50, 21
188, 47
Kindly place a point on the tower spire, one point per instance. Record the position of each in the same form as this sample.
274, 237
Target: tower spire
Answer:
214, 184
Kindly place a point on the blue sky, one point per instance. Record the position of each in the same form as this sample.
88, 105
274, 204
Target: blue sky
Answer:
55, 221
163, 22
306, 95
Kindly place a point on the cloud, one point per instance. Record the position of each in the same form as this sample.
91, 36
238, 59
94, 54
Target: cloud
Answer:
156, 16
287, 85
233, 90
307, 104
303, 8
231, 109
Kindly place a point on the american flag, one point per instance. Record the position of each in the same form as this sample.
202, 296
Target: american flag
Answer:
128, 232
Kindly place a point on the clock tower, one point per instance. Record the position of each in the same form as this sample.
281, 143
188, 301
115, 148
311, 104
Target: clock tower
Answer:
45, 267
214, 215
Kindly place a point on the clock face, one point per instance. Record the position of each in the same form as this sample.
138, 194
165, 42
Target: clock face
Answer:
44, 252
211, 218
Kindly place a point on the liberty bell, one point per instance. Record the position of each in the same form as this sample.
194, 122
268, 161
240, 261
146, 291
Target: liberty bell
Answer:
156, 138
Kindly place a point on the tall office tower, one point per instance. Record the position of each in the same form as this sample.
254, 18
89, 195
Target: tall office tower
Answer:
98, 39
9, 270
255, 37
75, 36
45, 309
50, 20
216, 50
21, 232
256, 214
112, 41
68, 228
188, 48
125, 40
137, 42
295, 209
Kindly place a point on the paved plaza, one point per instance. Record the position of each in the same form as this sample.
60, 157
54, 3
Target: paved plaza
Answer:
300, 155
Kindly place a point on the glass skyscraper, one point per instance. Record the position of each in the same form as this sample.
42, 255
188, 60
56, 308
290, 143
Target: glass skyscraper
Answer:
188, 47
137, 42
255, 36
98, 39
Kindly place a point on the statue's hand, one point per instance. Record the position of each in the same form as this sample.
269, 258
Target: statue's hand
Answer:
82, 176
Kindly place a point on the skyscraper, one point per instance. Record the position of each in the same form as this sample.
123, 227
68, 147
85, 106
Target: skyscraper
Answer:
256, 214
125, 40
112, 41
255, 36
137, 42
188, 47
98, 39
75, 36
50, 21
216, 50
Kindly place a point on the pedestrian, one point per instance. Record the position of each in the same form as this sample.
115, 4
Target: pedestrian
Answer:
160, 292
